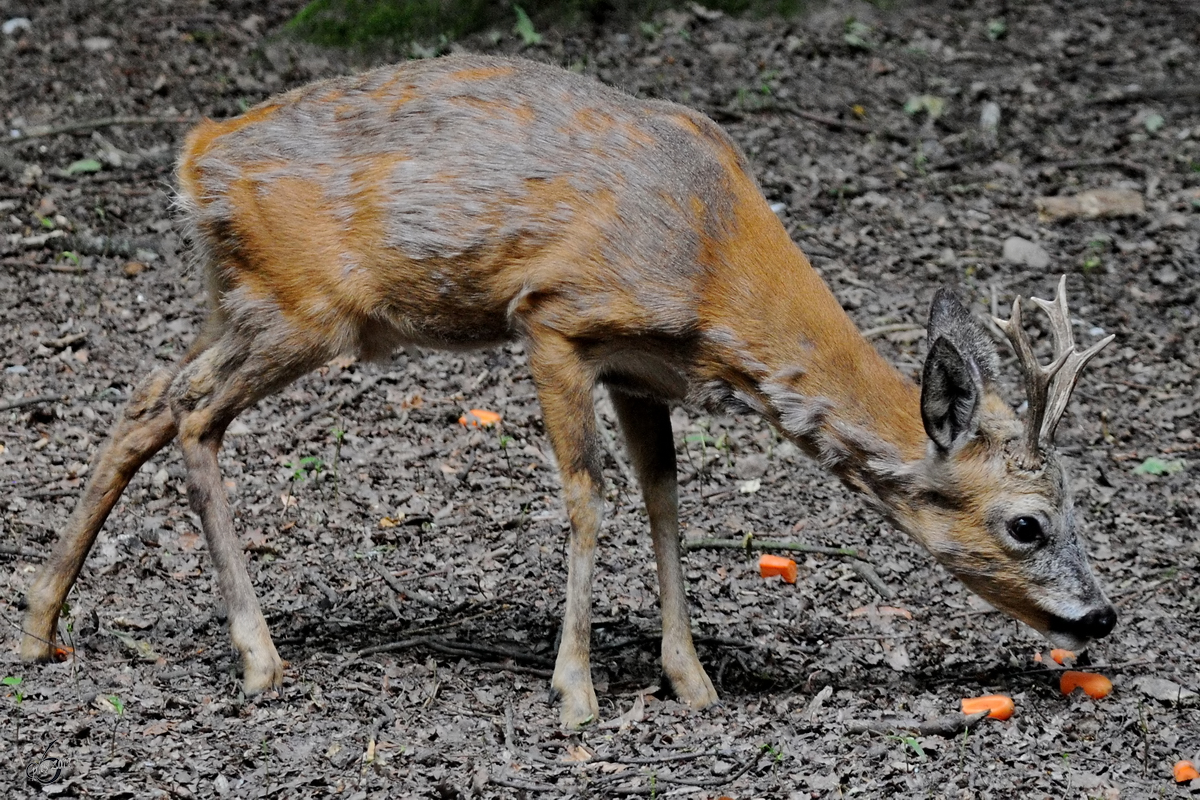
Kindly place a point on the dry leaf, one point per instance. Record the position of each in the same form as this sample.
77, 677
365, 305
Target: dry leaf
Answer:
577, 753
1093, 204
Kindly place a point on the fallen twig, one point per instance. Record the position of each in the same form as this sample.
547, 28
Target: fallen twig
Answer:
709, 783
1119, 163
868, 574
21, 402
751, 543
895, 327
66, 269
947, 726
38, 131
419, 636
367, 385
738, 114
840, 124
674, 757
656, 636
1181, 92
23, 552
528, 786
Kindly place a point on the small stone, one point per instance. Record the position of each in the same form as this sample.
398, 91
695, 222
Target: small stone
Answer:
132, 268
1166, 276
1023, 251
724, 51
12, 27
97, 44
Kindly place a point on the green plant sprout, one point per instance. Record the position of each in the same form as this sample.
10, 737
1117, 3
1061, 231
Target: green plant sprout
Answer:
1092, 261
856, 34
524, 28
504, 440
307, 467
339, 436
118, 707
13, 681
1158, 466
910, 743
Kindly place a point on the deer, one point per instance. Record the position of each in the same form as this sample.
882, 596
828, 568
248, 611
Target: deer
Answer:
467, 201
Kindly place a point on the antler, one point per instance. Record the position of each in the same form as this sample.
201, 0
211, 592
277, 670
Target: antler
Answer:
1047, 388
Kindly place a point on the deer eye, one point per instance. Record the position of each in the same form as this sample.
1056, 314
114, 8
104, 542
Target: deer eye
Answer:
1026, 530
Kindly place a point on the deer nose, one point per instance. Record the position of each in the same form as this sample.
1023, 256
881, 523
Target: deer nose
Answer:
1098, 623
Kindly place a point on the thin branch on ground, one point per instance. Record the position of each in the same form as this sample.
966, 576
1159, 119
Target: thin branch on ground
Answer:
38, 131
868, 574
1119, 163
313, 411
668, 759
23, 552
656, 636
459, 649
728, 113
705, 783
418, 636
895, 327
1185, 91
751, 543
528, 786
21, 402
842, 124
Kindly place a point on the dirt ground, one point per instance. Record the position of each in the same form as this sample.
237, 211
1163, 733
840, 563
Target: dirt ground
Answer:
413, 570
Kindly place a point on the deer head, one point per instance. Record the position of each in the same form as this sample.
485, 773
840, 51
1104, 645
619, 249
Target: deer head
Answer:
991, 500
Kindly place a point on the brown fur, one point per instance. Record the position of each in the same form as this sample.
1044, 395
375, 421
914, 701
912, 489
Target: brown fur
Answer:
468, 200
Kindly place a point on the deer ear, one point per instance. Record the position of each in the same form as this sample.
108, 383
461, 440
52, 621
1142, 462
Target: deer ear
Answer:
950, 391
962, 362
949, 318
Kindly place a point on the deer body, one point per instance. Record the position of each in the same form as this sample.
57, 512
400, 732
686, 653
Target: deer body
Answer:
466, 201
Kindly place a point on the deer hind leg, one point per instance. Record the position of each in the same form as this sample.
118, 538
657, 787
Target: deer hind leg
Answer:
207, 395
564, 383
143, 428
646, 424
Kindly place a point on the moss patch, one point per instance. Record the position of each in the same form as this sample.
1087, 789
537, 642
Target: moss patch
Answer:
353, 23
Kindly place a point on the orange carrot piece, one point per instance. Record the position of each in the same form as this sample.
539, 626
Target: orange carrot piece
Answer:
769, 566
1185, 771
1060, 655
1095, 686
998, 706
479, 418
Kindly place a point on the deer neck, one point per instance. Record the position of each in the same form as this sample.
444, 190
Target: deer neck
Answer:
783, 347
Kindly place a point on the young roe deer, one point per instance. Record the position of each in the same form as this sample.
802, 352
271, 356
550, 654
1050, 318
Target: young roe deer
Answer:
466, 201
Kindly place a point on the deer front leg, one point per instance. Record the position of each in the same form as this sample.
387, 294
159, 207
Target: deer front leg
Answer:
564, 386
143, 428
647, 427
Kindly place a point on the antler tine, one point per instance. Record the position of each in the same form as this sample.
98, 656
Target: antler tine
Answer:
1073, 360
1037, 381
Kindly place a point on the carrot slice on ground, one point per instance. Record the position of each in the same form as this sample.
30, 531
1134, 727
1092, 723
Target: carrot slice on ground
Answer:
1060, 655
769, 566
479, 418
998, 706
1096, 686
1185, 771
